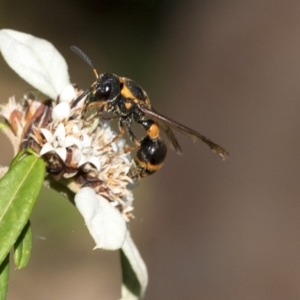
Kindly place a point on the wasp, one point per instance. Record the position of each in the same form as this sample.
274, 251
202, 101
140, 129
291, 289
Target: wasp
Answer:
130, 103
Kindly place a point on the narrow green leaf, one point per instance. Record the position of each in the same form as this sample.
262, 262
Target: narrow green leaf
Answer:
17, 158
20, 155
19, 189
4, 274
134, 271
23, 247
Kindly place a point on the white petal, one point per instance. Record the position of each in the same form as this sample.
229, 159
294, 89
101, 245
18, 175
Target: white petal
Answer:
62, 153
46, 148
35, 60
86, 141
70, 141
136, 268
61, 112
114, 147
76, 156
75, 128
67, 94
47, 135
103, 177
60, 132
95, 161
105, 223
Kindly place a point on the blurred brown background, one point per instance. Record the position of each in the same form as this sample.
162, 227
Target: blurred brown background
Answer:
207, 229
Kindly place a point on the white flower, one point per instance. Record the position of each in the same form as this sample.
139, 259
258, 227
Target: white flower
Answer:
58, 142
89, 153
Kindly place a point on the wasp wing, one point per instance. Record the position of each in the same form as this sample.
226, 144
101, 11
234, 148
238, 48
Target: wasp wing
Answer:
171, 137
194, 135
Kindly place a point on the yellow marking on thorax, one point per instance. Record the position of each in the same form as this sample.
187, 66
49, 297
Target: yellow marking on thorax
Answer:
126, 92
128, 105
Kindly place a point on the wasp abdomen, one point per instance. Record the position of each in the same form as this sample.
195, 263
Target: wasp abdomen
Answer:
151, 153
149, 158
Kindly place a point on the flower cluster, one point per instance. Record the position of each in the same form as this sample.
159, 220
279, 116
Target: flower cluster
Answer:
88, 152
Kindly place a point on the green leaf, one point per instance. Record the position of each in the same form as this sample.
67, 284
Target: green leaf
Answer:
134, 271
17, 158
23, 247
20, 155
4, 274
19, 189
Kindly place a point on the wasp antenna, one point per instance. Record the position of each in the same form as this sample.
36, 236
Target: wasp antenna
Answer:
83, 56
96, 72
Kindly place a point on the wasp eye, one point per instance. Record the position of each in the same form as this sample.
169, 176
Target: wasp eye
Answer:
107, 88
103, 92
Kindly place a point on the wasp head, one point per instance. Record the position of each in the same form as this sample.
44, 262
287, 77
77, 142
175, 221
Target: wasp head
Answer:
106, 88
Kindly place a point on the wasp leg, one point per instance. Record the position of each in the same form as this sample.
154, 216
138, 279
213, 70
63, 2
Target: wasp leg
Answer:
122, 131
133, 138
117, 137
109, 118
124, 126
131, 135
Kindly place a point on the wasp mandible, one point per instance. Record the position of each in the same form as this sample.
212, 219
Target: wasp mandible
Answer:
130, 103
